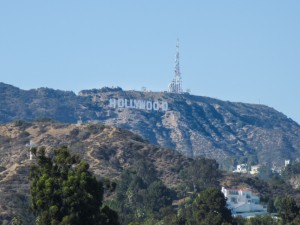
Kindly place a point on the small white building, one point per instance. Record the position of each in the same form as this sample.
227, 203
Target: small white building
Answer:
243, 203
254, 169
287, 162
241, 168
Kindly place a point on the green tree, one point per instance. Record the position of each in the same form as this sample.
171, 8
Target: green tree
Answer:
271, 207
140, 196
16, 221
291, 170
209, 208
289, 210
65, 192
264, 219
201, 174
158, 196
265, 172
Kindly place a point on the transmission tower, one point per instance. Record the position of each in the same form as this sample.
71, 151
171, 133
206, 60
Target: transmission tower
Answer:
176, 85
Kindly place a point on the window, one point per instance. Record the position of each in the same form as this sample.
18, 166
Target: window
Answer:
234, 200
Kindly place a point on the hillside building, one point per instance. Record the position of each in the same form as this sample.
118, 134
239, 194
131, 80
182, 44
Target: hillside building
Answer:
254, 169
241, 168
243, 203
287, 162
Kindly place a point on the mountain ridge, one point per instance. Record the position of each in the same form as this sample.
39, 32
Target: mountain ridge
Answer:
231, 132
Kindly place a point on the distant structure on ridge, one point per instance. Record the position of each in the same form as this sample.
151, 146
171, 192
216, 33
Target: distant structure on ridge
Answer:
176, 85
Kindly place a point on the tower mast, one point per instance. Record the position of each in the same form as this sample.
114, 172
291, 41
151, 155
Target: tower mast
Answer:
176, 85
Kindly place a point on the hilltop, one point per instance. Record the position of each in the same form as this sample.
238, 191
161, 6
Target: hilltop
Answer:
193, 125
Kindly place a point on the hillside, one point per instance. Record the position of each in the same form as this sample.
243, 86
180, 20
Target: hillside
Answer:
193, 125
107, 149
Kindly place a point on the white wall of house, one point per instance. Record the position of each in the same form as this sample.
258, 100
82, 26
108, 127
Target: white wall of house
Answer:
243, 202
254, 169
241, 168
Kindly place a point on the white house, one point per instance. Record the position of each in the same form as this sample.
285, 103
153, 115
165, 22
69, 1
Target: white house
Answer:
254, 169
287, 162
241, 168
243, 203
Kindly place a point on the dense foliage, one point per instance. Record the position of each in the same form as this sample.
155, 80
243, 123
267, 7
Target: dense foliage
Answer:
291, 170
289, 211
140, 195
210, 208
65, 192
201, 174
201, 201
207, 208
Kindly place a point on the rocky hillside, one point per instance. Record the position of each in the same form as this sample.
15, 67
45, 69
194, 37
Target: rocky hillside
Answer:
193, 125
107, 149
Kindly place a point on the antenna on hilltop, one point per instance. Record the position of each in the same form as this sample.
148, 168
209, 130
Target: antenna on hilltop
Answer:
79, 122
31, 145
176, 85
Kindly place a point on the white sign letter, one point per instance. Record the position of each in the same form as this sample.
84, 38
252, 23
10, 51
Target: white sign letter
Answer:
112, 103
131, 105
155, 106
164, 106
121, 103
142, 104
125, 103
149, 105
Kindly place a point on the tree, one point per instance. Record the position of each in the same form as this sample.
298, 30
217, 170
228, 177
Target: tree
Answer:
209, 208
16, 221
140, 196
289, 210
271, 207
201, 174
291, 170
263, 219
157, 196
265, 172
64, 191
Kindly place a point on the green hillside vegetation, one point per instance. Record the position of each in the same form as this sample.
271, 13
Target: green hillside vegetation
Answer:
137, 182
291, 170
64, 191
140, 195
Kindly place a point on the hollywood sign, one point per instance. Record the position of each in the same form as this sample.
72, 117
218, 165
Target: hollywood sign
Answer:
138, 104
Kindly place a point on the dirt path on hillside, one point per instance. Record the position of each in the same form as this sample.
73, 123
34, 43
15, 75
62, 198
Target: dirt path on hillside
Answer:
10, 172
89, 154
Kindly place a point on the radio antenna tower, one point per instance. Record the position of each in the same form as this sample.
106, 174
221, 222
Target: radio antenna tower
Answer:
176, 85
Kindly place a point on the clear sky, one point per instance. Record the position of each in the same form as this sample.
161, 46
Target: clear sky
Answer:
236, 50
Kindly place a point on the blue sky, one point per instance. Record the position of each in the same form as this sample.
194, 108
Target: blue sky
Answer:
235, 50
